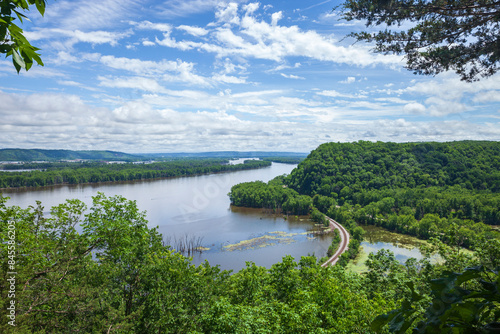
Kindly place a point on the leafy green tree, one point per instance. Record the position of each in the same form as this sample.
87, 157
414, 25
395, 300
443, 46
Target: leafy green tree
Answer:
247, 284
386, 271
12, 41
358, 233
53, 266
460, 35
489, 253
284, 279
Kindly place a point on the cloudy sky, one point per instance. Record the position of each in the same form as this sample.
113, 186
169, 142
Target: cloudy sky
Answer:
208, 75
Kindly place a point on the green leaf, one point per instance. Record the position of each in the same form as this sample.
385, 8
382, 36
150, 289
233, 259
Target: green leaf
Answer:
18, 61
468, 274
40, 5
19, 15
23, 4
414, 295
382, 320
27, 60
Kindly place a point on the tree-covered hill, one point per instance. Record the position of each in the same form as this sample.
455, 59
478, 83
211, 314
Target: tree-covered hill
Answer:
422, 189
452, 180
340, 169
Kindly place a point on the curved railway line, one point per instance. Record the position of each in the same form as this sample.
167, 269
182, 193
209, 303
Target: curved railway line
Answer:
344, 242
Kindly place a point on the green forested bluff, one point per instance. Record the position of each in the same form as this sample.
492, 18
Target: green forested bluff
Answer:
116, 275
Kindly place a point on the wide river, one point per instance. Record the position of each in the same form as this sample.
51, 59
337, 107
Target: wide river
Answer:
198, 208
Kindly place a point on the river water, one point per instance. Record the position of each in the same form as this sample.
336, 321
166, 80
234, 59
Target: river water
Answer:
198, 208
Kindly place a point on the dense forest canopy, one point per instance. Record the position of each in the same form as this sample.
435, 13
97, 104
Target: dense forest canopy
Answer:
365, 166
458, 179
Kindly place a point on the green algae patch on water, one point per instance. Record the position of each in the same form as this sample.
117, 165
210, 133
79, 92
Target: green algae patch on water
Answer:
259, 242
268, 239
357, 264
283, 234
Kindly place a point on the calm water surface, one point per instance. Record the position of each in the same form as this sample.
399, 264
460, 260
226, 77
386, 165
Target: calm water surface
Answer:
199, 207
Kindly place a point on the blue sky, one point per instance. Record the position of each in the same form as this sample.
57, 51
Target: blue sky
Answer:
208, 75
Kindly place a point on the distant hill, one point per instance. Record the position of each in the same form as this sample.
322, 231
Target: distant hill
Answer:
226, 154
14, 154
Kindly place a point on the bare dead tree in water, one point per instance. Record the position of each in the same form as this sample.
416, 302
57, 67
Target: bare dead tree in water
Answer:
187, 244
167, 241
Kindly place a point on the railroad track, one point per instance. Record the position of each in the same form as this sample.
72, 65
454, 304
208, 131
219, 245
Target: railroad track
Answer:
343, 246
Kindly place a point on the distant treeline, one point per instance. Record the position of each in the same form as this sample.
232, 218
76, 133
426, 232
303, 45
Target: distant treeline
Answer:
97, 172
50, 165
